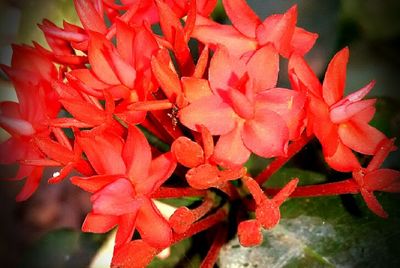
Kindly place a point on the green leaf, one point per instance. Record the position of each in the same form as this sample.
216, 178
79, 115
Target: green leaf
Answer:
321, 232
62, 248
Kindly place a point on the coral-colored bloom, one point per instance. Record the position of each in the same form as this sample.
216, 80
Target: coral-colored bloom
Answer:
248, 32
248, 113
340, 123
122, 190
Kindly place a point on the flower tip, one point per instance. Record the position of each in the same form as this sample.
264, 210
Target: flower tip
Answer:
249, 233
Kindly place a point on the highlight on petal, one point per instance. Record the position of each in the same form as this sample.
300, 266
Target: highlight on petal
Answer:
188, 153
242, 16
266, 135
303, 41
211, 112
230, 151
335, 77
90, 18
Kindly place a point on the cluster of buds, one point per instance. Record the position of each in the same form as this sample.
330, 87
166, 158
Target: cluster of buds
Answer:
86, 102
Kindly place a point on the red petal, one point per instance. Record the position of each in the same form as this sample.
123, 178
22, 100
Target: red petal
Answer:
360, 137
84, 111
249, 233
266, 135
12, 150
303, 41
161, 169
97, 223
305, 74
104, 153
136, 155
98, 62
211, 112
126, 228
279, 30
94, 183
152, 226
215, 34
225, 70
188, 153
343, 159
230, 150
242, 16
335, 77
134, 254
387, 180
195, 88
203, 177
373, 203
88, 78
266, 77
55, 150
117, 198
168, 79
90, 18
288, 104
169, 22
125, 36
31, 184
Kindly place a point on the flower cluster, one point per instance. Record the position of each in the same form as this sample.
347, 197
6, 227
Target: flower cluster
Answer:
86, 102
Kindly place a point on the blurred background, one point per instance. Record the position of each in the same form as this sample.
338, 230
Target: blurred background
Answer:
371, 28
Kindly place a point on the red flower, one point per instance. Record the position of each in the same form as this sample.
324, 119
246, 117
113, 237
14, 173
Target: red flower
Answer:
340, 123
245, 110
248, 32
122, 190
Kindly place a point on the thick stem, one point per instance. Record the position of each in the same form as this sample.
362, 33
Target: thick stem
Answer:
278, 162
348, 186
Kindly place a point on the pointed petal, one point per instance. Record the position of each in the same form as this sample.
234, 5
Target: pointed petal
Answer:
136, 154
123, 70
335, 77
152, 226
266, 135
104, 153
215, 34
125, 35
188, 153
286, 191
126, 228
230, 151
55, 150
211, 112
169, 22
161, 169
343, 159
31, 184
88, 78
303, 41
208, 142
305, 74
84, 111
98, 62
94, 183
360, 137
97, 223
242, 16
266, 77
373, 204
90, 18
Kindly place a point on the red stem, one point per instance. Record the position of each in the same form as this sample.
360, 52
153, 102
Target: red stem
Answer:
348, 186
278, 162
170, 192
201, 225
216, 246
